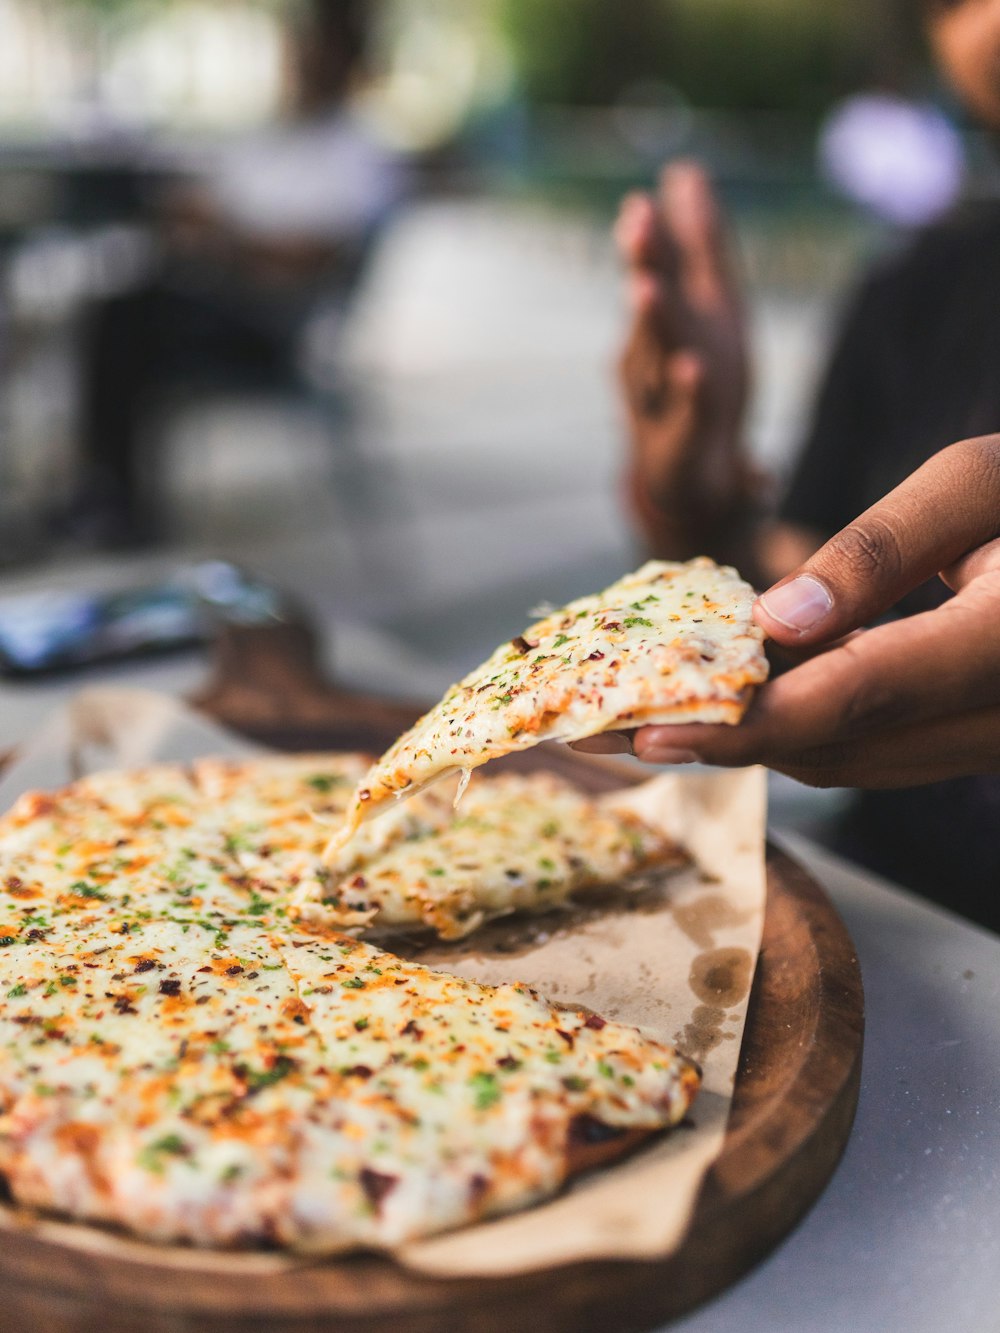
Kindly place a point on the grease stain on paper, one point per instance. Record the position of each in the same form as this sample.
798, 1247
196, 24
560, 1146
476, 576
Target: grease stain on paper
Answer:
721, 977
703, 1033
700, 919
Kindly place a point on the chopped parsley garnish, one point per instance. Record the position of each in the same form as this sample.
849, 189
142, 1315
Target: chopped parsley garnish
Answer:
85, 890
559, 640
354, 983
17, 991
152, 1156
484, 1085
264, 1078
237, 842
630, 622
324, 782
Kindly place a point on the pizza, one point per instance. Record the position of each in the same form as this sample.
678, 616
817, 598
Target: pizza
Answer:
669, 643
518, 844
182, 1055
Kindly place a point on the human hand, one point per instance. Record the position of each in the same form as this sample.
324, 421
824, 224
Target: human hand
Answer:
908, 702
684, 367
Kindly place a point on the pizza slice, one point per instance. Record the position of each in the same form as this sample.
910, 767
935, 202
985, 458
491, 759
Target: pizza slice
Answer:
519, 843
669, 643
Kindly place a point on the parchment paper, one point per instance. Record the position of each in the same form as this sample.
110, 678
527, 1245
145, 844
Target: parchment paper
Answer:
676, 960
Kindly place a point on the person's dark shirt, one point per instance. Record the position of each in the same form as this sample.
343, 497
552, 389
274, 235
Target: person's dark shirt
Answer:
915, 368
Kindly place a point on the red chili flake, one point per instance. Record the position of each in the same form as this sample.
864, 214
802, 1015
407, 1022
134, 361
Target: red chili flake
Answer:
566, 1036
595, 1021
145, 965
522, 644
596, 656
364, 794
508, 1062
358, 1071
411, 1030
204, 969
170, 987
376, 1185
612, 625
234, 971
123, 1005
13, 882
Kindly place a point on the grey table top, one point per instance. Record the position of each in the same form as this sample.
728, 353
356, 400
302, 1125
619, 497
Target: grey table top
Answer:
907, 1234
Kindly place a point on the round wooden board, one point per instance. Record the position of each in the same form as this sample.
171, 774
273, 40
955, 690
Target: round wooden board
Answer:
794, 1103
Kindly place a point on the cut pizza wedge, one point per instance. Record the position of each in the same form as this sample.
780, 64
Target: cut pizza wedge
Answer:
669, 643
518, 843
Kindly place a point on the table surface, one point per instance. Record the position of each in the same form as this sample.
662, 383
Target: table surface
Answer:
905, 1236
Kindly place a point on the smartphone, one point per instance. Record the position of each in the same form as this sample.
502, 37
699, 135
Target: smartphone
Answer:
60, 630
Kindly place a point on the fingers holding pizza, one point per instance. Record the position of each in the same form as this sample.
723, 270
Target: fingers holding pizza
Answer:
908, 702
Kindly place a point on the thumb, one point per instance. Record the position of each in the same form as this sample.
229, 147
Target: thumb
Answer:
944, 510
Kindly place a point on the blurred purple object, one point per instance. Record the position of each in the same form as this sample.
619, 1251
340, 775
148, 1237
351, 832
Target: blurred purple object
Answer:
901, 159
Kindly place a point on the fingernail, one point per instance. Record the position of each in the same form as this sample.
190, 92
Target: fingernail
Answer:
798, 605
666, 754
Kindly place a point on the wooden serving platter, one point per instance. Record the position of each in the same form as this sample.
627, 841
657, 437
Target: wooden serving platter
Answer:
796, 1092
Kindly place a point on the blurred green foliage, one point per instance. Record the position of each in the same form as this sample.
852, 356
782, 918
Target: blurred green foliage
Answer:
788, 55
